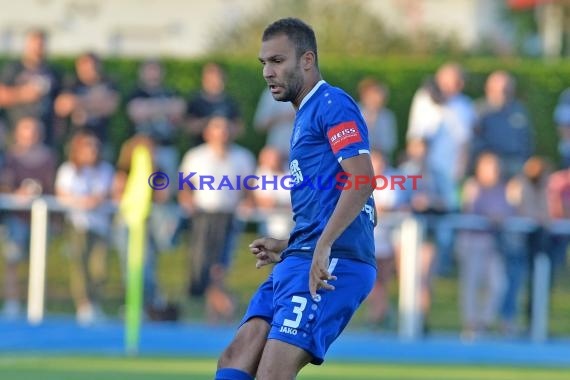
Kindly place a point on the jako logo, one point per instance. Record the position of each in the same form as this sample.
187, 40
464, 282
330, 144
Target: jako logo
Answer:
288, 330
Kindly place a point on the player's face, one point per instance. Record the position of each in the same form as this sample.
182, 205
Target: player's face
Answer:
281, 68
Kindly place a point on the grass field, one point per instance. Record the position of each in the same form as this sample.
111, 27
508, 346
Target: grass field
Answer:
98, 368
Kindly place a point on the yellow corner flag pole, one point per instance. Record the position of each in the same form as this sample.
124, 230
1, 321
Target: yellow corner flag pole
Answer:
135, 208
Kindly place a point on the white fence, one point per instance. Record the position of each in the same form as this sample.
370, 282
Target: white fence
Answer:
411, 236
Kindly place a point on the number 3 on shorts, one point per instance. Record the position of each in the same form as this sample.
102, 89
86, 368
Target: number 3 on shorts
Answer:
298, 310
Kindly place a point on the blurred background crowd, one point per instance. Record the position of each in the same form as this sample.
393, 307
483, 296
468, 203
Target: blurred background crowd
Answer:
478, 156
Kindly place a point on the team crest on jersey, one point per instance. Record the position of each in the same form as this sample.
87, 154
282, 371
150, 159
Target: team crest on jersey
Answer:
296, 172
343, 134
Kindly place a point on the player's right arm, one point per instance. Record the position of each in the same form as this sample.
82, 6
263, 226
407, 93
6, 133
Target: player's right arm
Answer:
267, 250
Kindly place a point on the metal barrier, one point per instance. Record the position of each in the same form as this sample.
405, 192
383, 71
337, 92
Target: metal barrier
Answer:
412, 238
39, 208
412, 235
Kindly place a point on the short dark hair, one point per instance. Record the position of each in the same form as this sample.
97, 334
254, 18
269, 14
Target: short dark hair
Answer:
301, 34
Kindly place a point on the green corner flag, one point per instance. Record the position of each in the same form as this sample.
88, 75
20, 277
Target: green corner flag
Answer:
135, 208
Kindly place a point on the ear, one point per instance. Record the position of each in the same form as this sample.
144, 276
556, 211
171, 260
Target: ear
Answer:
308, 60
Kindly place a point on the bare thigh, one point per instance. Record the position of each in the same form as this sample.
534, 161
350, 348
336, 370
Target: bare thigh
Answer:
281, 361
244, 352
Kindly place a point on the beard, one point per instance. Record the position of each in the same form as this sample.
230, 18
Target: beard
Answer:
292, 84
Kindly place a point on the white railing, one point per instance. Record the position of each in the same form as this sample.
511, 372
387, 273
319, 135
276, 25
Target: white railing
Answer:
412, 231
411, 237
40, 208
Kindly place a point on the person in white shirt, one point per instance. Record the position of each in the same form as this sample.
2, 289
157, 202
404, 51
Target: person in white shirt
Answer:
83, 183
444, 118
212, 211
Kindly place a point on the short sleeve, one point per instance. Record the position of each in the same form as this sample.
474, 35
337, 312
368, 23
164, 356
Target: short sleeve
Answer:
185, 163
192, 107
64, 178
190, 162
250, 162
8, 74
425, 116
105, 174
345, 128
7, 174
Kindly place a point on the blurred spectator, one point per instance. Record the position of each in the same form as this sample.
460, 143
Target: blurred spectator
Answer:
386, 200
559, 208
157, 111
213, 212
415, 163
273, 199
444, 117
29, 86
380, 120
276, 118
212, 100
161, 225
528, 193
562, 119
83, 183
3, 139
503, 125
428, 203
29, 172
480, 251
89, 100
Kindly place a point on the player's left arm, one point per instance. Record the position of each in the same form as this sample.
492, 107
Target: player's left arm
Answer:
343, 126
349, 205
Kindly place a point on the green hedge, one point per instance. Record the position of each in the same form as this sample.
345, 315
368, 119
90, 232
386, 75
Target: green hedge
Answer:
539, 85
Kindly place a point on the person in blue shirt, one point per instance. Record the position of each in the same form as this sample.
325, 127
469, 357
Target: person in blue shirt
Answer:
327, 266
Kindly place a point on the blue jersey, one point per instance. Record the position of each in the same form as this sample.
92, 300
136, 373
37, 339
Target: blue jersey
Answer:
328, 128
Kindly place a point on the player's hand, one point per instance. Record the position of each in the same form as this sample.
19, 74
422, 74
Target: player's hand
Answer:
319, 274
266, 251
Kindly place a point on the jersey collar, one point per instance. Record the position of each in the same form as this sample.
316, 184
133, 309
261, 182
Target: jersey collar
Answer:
311, 93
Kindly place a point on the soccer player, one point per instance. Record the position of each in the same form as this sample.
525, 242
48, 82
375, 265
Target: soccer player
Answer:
327, 267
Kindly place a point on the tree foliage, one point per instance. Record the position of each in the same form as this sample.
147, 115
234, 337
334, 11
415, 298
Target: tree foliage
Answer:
343, 27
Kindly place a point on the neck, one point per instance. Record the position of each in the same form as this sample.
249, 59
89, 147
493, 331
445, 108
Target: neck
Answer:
30, 63
150, 88
310, 83
90, 81
213, 95
23, 148
219, 149
498, 103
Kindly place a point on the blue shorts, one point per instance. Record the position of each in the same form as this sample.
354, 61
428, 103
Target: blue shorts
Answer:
284, 301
